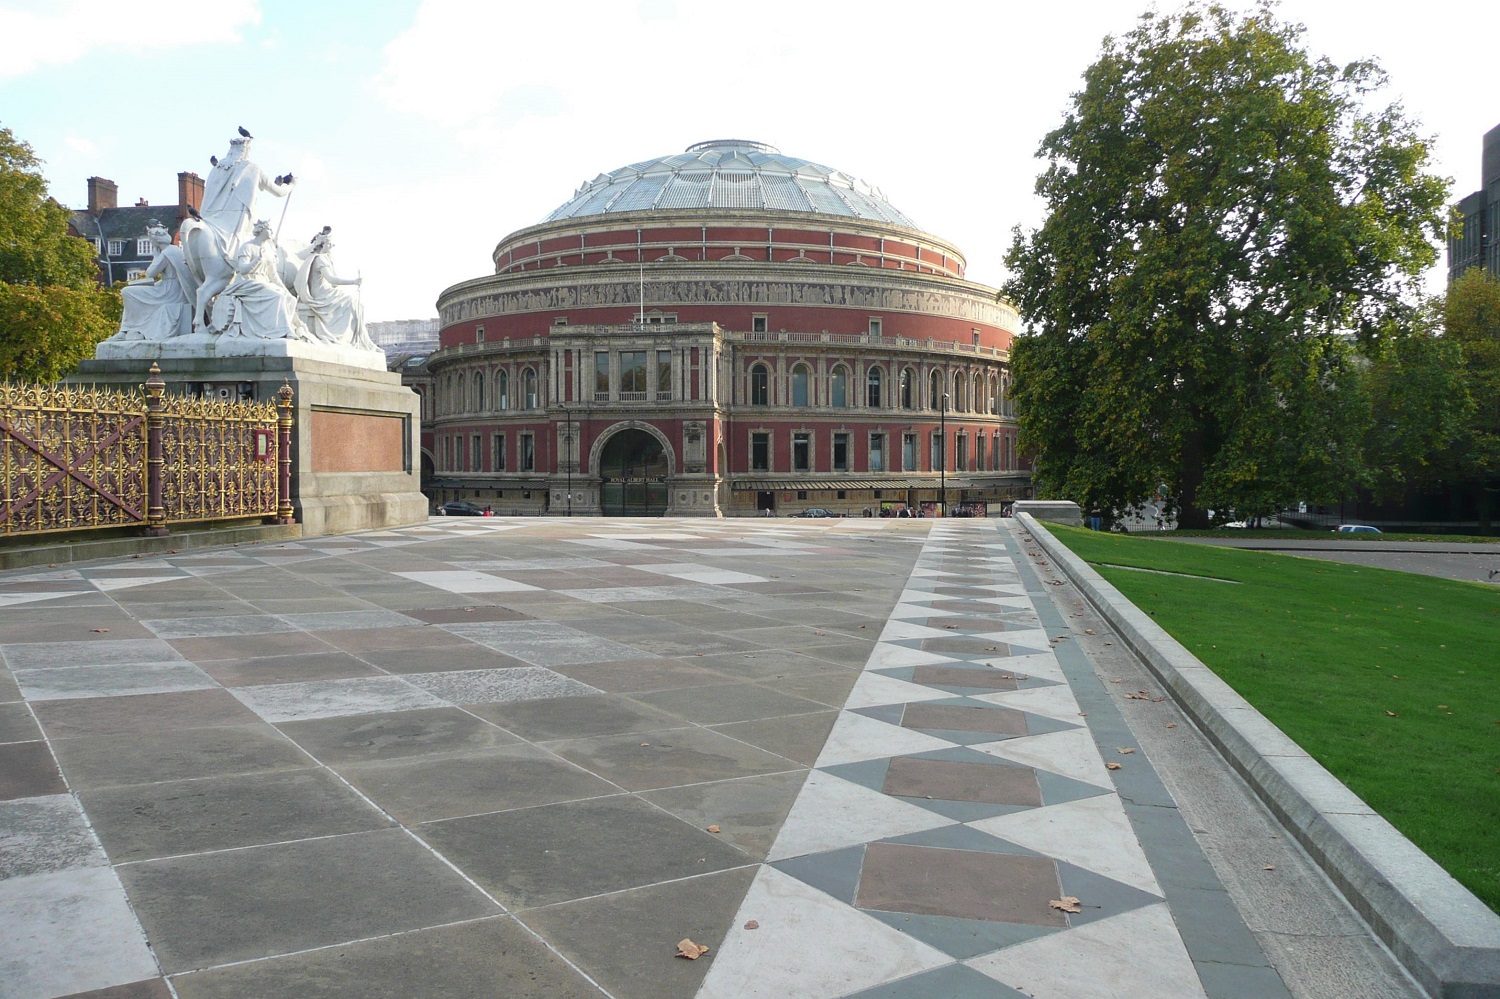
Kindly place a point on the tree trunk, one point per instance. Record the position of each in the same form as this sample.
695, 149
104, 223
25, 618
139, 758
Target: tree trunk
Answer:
1189, 513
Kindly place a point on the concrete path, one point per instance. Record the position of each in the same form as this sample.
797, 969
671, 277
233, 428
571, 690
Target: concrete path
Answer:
482, 757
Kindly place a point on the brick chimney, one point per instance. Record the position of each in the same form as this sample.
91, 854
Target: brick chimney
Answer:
189, 193
102, 194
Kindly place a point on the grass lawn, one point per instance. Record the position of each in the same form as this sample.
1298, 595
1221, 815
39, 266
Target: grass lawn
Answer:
1390, 680
1284, 534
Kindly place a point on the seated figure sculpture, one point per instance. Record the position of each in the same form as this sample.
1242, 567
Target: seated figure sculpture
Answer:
159, 305
256, 303
330, 315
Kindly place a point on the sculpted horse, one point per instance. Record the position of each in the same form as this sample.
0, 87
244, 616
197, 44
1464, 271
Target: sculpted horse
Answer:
208, 254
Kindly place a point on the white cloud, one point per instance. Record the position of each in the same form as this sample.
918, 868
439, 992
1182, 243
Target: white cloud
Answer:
37, 35
81, 146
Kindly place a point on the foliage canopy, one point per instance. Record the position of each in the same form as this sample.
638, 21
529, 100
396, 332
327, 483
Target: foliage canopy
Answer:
1225, 212
52, 312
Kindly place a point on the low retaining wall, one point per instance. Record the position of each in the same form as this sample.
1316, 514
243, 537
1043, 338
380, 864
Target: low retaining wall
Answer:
1446, 937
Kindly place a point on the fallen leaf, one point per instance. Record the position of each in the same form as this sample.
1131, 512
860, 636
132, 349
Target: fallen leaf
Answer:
1089, 631
820, 633
135, 556
1067, 903
686, 948
1269, 867
1111, 766
1171, 724
951, 627
713, 829
645, 743
1442, 707
752, 925
1117, 681
100, 631
1391, 714
1125, 750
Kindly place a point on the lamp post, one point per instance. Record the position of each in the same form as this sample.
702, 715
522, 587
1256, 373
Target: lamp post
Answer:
943, 457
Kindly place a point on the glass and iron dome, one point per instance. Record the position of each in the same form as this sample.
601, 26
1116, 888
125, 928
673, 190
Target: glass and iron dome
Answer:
730, 173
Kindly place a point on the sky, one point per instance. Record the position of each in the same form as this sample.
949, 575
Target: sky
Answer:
425, 131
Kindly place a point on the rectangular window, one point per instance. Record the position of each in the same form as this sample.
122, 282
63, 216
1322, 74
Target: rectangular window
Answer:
448, 454
528, 452
801, 453
961, 452
908, 452
758, 324
499, 452
97, 245
663, 374
601, 376
476, 455
560, 321
116, 247
979, 443
876, 326
143, 248
479, 334
802, 494
841, 452
632, 371
760, 452
877, 452
975, 335
939, 460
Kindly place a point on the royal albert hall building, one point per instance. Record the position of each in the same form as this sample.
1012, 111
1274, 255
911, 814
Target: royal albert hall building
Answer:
723, 332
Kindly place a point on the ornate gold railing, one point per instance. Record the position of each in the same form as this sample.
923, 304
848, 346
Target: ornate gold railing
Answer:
74, 458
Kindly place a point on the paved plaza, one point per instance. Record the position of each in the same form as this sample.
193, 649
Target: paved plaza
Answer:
525, 758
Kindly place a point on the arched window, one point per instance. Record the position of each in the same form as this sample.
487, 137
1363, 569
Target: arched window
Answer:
799, 385
502, 389
479, 391
528, 382
760, 386
838, 387
959, 381
976, 393
461, 394
935, 389
906, 388
994, 395
872, 387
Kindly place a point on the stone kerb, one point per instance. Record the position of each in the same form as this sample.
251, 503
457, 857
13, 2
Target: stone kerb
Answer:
1445, 936
1057, 511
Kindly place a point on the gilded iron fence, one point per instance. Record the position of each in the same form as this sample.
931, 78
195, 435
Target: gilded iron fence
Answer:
75, 458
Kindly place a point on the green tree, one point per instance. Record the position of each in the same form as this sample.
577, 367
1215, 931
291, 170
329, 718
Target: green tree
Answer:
52, 312
1421, 407
1471, 319
1224, 213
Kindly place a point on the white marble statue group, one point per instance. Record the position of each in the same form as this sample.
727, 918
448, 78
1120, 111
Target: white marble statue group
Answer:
230, 278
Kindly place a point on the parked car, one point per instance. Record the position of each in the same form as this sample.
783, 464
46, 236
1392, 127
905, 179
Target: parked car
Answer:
458, 508
815, 511
1357, 529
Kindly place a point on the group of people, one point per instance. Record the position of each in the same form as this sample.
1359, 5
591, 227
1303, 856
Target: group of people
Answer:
229, 277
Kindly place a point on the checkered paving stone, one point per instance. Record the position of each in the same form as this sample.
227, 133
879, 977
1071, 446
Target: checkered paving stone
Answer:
522, 731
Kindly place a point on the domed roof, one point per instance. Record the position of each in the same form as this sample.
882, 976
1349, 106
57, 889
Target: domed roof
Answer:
730, 173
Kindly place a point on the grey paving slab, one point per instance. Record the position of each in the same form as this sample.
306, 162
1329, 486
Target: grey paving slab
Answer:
349, 620
798, 737
482, 958
68, 932
216, 627
394, 735
37, 625
142, 713
639, 674
647, 760
283, 702
147, 757
288, 669
8, 690
575, 717
53, 655
282, 643
17, 724
428, 788
239, 905
440, 658
556, 853
111, 681
44, 835
749, 811
27, 769
627, 941
525, 683
165, 819
720, 703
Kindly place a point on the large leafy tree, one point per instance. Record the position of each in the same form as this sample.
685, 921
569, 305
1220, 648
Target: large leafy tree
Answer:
1226, 213
52, 314
1471, 320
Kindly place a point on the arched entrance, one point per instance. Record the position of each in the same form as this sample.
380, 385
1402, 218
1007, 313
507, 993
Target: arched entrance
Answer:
633, 471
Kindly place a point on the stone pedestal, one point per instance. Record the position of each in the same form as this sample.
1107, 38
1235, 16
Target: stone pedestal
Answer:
354, 442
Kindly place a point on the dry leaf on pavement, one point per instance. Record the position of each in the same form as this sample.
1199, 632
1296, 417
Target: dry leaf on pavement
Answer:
686, 948
1067, 903
1125, 750
1111, 766
752, 925
713, 829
